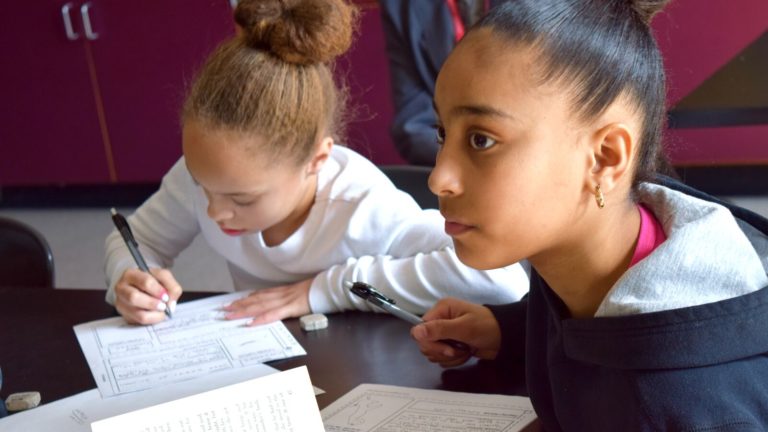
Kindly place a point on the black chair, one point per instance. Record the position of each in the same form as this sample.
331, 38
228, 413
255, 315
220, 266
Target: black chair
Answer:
25, 257
412, 179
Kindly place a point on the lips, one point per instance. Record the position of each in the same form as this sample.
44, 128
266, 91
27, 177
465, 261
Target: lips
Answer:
453, 228
232, 232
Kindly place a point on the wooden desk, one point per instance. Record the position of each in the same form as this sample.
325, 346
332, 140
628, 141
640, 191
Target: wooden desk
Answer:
39, 350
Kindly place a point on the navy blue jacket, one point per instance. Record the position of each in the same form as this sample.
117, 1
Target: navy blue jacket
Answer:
419, 36
700, 368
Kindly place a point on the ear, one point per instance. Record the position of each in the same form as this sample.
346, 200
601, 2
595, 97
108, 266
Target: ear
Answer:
322, 153
612, 154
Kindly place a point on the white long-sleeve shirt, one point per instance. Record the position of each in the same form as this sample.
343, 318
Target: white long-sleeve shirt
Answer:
360, 228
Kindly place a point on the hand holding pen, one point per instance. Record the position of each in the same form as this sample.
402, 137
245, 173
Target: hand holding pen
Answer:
374, 297
454, 319
143, 296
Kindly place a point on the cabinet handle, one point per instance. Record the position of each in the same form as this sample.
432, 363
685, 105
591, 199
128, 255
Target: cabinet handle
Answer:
84, 9
71, 35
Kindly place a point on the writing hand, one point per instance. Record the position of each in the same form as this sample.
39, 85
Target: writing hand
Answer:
272, 304
139, 296
462, 321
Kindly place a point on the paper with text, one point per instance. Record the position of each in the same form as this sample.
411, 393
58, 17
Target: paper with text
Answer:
77, 412
197, 341
283, 401
382, 408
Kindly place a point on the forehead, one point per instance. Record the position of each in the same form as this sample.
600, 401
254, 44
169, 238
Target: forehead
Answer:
486, 69
224, 161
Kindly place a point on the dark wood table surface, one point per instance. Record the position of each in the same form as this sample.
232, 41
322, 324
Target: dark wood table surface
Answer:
39, 350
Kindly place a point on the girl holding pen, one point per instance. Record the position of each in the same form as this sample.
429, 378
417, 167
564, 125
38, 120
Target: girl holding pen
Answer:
648, 303
266, 184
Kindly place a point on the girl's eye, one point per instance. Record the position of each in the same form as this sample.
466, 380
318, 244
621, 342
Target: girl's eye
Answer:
480, 141
440, 134
243, 203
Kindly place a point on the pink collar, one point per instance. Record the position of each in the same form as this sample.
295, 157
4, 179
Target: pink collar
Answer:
650, 237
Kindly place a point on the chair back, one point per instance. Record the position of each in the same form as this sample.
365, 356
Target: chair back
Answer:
412, 179
25, 256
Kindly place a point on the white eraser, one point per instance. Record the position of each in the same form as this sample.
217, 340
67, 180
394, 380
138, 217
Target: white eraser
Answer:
22, 401
313, 322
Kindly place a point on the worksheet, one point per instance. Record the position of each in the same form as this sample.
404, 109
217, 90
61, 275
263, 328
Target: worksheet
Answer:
383, 408
76, 413
197, 341
280, 402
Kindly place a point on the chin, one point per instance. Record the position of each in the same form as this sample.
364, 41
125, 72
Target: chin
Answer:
475, 258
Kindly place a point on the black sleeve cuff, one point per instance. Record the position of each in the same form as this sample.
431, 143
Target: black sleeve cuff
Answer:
511, 318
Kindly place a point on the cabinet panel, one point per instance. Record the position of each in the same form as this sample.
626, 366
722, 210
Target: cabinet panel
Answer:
147, 52
365, 68
49, 129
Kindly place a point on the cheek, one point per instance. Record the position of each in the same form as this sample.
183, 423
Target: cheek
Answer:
264, 214
510, 220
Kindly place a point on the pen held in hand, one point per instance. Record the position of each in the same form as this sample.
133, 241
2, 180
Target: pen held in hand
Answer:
371, 295
133, 247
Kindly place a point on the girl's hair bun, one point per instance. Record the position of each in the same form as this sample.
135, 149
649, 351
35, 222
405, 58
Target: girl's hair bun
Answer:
646, 9
298, 31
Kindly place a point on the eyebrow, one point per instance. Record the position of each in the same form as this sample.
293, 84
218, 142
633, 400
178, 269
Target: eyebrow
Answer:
478, 110
230, 194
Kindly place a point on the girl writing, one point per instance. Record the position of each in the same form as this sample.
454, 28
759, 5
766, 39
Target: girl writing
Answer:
648, 303
262, 180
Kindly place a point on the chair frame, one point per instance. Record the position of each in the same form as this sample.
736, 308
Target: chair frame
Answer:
41, 242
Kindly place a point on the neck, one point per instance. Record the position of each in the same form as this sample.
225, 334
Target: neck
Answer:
280, 232
582, 271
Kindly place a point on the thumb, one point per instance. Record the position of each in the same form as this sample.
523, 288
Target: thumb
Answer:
438, 329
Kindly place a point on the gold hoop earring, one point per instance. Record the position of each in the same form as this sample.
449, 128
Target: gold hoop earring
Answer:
599, 198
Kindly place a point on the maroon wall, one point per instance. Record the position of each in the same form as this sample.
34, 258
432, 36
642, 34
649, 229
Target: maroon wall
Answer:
697, 38
366, 72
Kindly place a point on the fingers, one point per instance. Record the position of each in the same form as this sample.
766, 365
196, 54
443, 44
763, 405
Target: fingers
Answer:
447, 362
140, 289
139, 296
270, 305
434, 347
135, 315
449, 308
461, 321
440, 352
169, 284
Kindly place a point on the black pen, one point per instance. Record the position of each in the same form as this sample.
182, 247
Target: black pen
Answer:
374, 297
125, 231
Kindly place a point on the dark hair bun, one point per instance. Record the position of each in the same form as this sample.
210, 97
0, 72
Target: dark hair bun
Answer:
298, 31
646, 9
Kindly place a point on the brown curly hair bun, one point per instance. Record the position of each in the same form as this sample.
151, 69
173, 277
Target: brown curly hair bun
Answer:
297, 31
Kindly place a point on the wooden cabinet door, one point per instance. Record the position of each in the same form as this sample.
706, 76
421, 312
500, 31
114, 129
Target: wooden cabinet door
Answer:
365, 68
147, 53
49, 128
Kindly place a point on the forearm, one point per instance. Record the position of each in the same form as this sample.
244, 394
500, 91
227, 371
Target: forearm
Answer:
416, 283
163, 226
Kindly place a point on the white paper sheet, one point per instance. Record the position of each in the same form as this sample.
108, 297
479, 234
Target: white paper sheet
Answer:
76, 413
383, 408
282, 401
196, 342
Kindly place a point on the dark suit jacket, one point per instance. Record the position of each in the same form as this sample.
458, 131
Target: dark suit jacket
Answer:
419, 36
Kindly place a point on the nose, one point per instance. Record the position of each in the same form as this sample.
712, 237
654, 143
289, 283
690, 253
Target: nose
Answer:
218, 211
444, 181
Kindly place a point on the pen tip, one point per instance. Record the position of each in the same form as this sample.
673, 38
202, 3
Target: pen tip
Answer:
348, 284
113, 211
